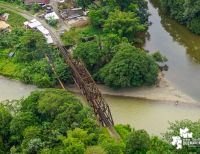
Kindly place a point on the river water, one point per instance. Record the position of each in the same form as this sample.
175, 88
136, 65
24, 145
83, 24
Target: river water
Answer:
10, 89
182, 49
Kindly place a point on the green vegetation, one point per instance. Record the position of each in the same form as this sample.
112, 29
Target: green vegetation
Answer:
14, 19
53, 22
184, 11
129, 67
28, 63
107, 45
158, 57
34, 8
54, 121
47, 122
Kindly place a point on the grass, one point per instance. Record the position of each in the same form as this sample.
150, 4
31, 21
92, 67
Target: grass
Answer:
73, 36
7, 65
15, 20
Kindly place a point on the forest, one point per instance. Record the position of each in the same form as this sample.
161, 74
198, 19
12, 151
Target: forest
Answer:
54, 121
186, 12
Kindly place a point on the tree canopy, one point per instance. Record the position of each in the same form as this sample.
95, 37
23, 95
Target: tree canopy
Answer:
28, 62
184, 11
125, 24
55, 121
129, 67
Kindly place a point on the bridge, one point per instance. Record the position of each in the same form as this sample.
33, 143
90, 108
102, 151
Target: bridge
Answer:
88, 87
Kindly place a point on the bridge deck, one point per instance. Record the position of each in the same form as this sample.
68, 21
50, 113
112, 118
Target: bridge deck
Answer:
88, 87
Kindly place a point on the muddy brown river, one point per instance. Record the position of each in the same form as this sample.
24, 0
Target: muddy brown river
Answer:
182, 49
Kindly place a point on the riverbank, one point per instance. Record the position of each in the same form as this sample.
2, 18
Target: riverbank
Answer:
164, 91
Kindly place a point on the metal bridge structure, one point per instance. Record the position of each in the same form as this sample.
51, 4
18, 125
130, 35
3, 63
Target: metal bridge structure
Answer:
88, 87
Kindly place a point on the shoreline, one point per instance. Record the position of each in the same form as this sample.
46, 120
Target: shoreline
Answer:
164, 91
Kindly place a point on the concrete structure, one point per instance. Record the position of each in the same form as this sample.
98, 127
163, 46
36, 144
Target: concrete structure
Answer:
51, 15
43, 30
35, 24
49, 39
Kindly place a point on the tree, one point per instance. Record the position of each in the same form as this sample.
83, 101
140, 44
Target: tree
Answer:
184, 11
91, 54
84, 3
21, 121
48, 121
123, 130
125, 24
129, 67
174, 130
53, 22
73, 146
160, 146
98, 15
194, 25
54, 102
5, 118
158, 57
110, 145
32, 46
36, 7
140, 7
70, 37
138, 142
33, 146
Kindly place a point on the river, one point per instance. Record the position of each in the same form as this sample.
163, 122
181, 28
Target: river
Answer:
11, 89
182, 49
152, 116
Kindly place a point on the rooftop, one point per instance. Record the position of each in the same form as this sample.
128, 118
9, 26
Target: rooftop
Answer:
51, 15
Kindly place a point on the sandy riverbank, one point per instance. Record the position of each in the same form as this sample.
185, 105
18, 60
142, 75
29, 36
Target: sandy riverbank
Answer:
164, 91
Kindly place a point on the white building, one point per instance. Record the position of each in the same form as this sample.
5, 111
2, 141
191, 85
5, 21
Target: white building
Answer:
43, 30
35, 24
51, 15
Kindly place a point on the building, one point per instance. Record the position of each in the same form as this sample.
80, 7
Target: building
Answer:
32, 24
74, 13
28, 2
35, 24
51, 15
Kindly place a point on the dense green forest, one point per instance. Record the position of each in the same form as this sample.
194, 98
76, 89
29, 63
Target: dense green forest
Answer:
28, 63
54, 121
187, 12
